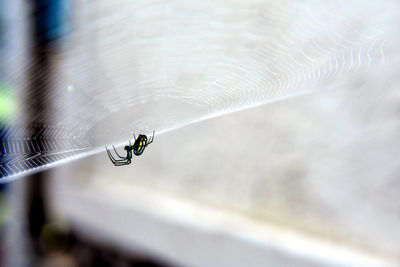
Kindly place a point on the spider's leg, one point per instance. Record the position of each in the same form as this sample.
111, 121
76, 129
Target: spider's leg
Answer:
150, 139
122, 159
119, 162
122, 163
110, 156
118, 154
134, 137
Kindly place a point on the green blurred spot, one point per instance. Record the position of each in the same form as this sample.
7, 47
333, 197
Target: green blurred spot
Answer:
3, 210
8, 104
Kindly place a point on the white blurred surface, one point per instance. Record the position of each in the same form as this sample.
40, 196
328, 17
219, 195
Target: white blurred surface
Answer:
323, 166
288, 166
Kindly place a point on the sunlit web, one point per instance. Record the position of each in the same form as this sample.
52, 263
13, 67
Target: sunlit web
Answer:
138, 66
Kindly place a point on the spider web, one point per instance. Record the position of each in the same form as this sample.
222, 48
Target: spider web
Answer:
137, 66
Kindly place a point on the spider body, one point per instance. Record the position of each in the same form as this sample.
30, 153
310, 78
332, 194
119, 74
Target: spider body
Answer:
137, 148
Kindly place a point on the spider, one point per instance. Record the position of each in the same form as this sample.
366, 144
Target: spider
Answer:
138, 147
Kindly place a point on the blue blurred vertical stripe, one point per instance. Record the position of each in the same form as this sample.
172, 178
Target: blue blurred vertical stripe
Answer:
52, 19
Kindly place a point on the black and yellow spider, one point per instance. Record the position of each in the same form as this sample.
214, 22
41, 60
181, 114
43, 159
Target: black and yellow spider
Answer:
138, 147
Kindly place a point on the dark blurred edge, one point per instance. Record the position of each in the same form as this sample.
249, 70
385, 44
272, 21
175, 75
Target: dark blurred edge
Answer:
50, 245
46, 31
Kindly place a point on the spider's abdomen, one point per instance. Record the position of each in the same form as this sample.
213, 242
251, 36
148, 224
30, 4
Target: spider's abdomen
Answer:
139, 145
139, 151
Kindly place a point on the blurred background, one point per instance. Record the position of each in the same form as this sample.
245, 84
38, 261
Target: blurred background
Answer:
276, 133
